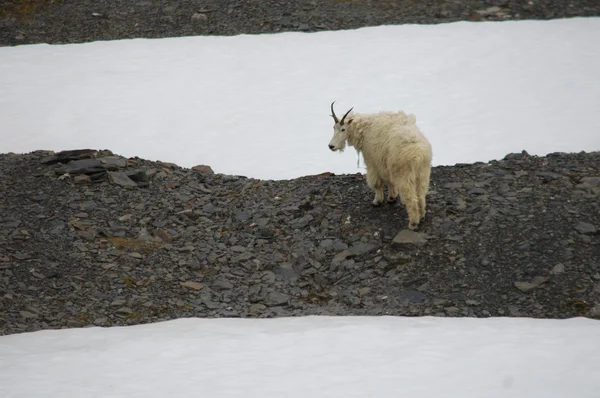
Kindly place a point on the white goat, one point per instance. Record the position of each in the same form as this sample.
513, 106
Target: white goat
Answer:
395, 152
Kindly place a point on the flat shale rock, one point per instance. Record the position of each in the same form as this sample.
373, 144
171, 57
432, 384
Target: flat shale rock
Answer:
585, 228
120, 178
407, 239
527, 287
123, 241
69, 156
203, 169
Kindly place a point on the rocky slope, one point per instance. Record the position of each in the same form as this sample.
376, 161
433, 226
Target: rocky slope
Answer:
91, 238
61, 21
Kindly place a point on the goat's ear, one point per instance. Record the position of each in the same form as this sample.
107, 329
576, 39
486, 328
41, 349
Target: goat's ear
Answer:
349, 120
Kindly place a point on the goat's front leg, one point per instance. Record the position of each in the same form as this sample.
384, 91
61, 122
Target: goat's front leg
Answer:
376, 184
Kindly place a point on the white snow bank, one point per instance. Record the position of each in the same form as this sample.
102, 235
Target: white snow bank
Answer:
309, 357
259, 105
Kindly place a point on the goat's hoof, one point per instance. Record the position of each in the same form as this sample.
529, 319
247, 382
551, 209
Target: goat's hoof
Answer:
391, 201
412, 226
377, 203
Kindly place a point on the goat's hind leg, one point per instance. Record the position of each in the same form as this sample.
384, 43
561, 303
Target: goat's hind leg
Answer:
422, 188
405, 184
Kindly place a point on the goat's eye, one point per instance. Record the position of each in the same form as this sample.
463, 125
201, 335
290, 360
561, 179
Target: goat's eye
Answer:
343, 129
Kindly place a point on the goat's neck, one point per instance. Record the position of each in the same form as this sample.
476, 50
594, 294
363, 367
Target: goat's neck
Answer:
355, 137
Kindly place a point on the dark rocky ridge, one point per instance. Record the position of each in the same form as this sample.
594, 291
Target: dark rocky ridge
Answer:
125, 241
60, 21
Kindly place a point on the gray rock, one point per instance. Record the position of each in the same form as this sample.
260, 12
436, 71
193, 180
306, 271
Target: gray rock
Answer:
360, 248
276, 299
338, 245
515, 155
115, 161
558, 269
440, 302
595, 311
124, 311
585, 228
364, 291
40, 198
453, 185
286, 22
221, 284
452, 311
265, 233
67, 156
28, 315
301, 222
256, 309
210, 208
192, 285
285, 270
82, 179
199, 17
408, 238
138, 176
503, 3
83, 166
211, 305
326, 244
461, 204
203, 169
243, 215
340, 257
528, 287
321, 280
412, 296
89, 205
478, 191
549, 176
121, 178
588, 182
12, 224
238, 249
118, 303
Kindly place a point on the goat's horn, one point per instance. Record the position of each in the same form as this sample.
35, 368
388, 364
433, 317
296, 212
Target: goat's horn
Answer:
333, 113
342, 122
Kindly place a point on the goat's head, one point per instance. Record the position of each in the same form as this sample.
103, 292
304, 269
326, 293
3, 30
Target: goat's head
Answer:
340, 131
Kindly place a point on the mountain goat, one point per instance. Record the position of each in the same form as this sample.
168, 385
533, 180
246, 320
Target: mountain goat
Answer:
395, 152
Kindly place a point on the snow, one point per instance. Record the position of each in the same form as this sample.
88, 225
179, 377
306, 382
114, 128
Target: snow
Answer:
308, 357
258, 105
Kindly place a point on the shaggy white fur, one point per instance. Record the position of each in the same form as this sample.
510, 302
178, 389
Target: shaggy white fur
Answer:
395, 153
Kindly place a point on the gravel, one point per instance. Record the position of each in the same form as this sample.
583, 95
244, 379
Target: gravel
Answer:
513, 237
61, 21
